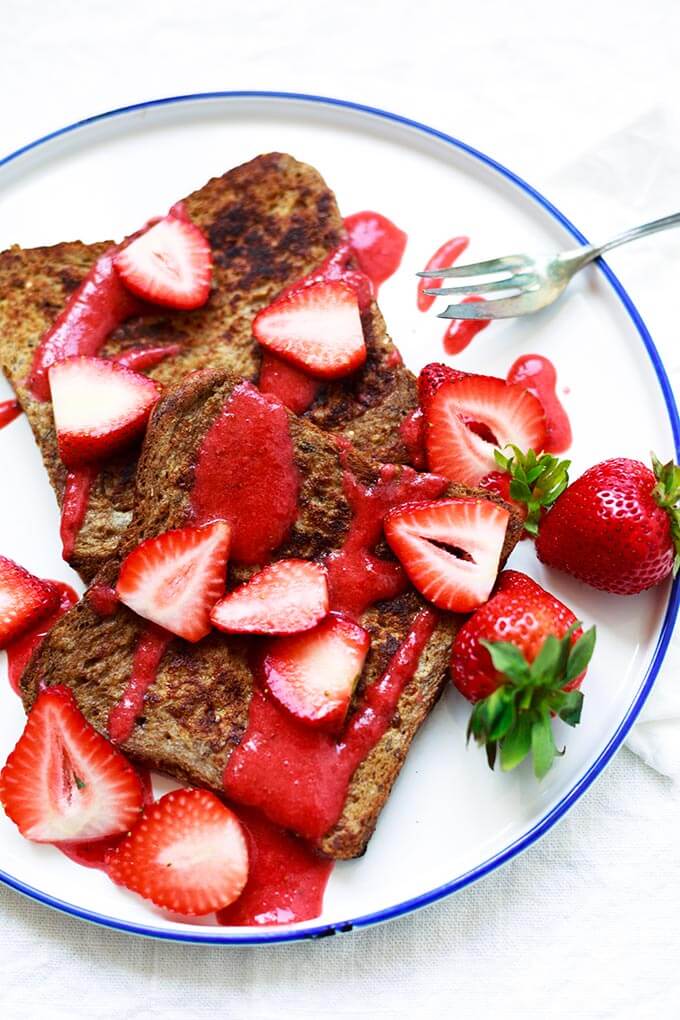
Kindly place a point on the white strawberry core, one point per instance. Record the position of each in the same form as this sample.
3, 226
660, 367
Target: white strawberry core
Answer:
216, 845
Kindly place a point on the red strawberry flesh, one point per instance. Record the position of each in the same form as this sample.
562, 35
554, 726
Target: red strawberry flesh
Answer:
449, 548
175, 579
24, 599
169, 264
286, 597
64, 782
186, 854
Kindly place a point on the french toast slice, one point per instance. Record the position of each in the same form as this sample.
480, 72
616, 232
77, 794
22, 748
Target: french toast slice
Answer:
196, 711
269, 222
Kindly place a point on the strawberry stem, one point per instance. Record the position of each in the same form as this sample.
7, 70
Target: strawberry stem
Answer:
516, 719
536, 481
666, 494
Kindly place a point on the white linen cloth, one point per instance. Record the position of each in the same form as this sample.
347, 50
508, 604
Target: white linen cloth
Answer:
580, 101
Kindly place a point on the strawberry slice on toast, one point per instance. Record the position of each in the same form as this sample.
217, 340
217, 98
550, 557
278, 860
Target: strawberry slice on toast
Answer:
313, 675
450, 548
317, 328
286, 597
64, 782
169, 264
187, 854
176, 578
468, 418
99, 408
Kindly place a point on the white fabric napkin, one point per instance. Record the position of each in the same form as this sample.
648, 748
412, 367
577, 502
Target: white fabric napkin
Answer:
627, 179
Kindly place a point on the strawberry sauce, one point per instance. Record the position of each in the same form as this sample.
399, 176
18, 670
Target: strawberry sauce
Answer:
103, 598
74, 506
377, 243
443, 257
356, 576
151, 647
20, 651
293, 387
246, 474
412, 432
99, 305
9, 410
537, 374
299, 776
286, 877
140, 359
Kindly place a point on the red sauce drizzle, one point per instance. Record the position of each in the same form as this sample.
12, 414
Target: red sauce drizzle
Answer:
442, 258
412, 432
74, 506
460, 332
92, 853
20, 651
151, 646
9, 410
356, 576
103, 598
293, 387
537, 374
246, 474
140, 359
377, 243
286, 879
99, 305
299, 776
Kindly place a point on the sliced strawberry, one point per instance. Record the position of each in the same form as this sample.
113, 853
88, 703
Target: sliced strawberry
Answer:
176, 578
24, 599
287, 597
187, 854
464, 414
313, 675
318, 328
450, 548
64, 782
170, 264
432, 377
99, 408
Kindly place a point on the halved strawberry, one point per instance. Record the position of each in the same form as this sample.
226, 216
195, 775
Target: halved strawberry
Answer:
64, 782
187, 853
170, 264
24, 599
504, 412
176, 578
99, 407
313, 675
286, 597
450, 548
318, 328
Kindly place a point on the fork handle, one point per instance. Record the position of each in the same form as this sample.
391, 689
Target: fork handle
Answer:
665, 223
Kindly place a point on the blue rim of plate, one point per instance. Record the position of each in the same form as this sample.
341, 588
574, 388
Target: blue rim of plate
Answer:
270, 936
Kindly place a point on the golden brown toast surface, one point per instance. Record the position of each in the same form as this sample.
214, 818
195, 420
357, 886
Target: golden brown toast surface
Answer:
197, 710
269, 222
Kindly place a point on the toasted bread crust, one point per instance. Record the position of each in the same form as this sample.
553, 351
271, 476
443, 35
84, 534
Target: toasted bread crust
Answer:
197, 709
269, 222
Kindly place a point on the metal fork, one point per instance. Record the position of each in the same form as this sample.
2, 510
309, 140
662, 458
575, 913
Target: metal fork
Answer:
529, 283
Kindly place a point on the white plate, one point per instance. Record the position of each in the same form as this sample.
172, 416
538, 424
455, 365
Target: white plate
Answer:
449, 820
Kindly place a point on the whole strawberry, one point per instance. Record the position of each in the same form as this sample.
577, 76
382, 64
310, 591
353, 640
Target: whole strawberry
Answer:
617, 527
520, 658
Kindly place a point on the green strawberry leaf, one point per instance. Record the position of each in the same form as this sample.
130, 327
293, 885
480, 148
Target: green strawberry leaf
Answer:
515, 720
536, 481
666, 493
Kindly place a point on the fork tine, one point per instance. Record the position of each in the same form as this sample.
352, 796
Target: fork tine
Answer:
521, 281
507, 262
501, 308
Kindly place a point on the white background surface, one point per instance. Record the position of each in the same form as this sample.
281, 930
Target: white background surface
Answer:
587, 923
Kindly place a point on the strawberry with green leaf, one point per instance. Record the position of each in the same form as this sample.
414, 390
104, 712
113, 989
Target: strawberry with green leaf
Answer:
520, 659
529, 480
